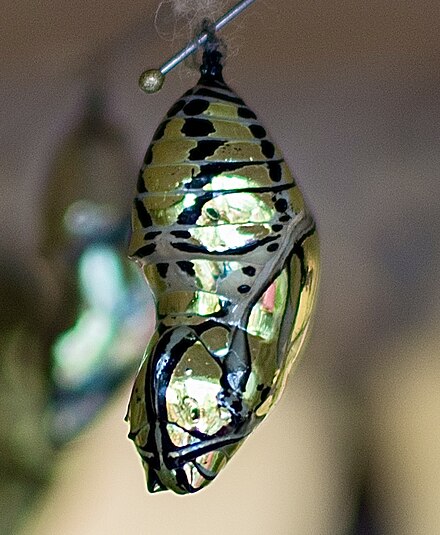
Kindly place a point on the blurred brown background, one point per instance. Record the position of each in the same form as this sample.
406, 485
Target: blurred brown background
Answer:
350, 91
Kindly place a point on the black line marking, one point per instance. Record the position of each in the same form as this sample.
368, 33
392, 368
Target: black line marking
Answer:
211, 169
264, 189
142, 213
140, 186
219, 96
223, 192
146, 250
152, 235
213, 82
148, 156
265, 393
160, 130
190, 215
207, 474
190, 248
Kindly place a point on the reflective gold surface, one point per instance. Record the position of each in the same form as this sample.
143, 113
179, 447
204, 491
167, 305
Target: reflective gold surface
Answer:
191, 396
229, 250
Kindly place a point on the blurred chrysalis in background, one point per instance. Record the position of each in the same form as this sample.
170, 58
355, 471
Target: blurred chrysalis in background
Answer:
75, 324
100, 322
26, 454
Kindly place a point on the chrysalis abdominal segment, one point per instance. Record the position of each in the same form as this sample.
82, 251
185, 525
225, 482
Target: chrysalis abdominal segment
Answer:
230, 252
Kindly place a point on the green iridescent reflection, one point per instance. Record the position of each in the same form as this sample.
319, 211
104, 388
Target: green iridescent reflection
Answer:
226, 181
233, 208
191, 397
100, 337
234, 219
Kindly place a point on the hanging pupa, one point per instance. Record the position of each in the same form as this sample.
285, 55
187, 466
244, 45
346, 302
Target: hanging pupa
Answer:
230, 252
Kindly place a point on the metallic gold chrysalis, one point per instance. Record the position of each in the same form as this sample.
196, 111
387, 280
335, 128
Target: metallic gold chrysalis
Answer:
230, 252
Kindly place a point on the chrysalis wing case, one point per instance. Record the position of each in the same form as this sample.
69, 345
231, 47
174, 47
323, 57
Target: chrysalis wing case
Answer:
230, 252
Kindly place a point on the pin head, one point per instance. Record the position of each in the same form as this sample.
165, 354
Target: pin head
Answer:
151, 81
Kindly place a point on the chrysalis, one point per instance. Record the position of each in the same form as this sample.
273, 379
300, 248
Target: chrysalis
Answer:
230, 252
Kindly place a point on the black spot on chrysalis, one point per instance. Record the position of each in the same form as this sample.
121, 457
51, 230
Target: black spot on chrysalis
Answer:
281, 205
186, 267
267, 148
249, 271
257, 131
246, 113
244, 288
197, 127
162, 269
196, 106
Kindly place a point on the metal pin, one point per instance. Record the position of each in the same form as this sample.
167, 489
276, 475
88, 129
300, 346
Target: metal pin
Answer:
152, 80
